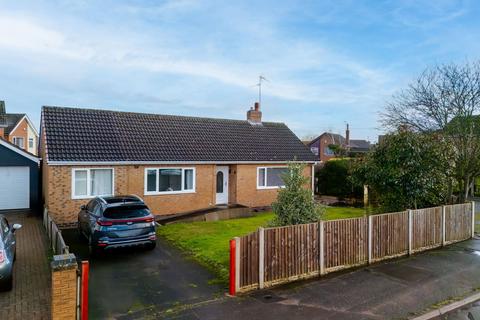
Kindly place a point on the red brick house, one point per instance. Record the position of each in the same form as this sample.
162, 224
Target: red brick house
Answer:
17, 128
320, 145
176, 164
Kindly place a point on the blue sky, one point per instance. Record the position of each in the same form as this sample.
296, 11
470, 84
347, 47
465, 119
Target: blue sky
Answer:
328, 62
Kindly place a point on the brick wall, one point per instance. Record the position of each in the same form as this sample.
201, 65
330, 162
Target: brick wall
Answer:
20, 131
247, 192
130, 180
64, 287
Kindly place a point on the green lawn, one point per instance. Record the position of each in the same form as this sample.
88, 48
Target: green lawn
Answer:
208, 242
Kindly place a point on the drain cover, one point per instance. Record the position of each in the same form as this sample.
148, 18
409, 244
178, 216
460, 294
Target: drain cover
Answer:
266, 296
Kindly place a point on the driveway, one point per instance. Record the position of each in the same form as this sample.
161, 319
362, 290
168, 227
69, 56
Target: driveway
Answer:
137, 283
30, 296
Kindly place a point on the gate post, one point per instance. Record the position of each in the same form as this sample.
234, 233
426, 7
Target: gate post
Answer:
84, 290
64, 287
370, 238
473, 219
444, 233
322, 247
410, 230
261, 257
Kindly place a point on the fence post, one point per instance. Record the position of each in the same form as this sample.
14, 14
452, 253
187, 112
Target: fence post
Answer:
444, 240
261, 261
237, 264
233, 263
321, 247
370, 227
410, 230
473, 219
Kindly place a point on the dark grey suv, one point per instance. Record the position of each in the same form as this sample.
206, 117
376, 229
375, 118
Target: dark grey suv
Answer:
116, 221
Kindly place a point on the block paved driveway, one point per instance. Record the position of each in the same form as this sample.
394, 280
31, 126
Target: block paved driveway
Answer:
30, 297
138, 284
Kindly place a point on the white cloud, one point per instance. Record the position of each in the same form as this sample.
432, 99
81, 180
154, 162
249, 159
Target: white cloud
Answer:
281, 59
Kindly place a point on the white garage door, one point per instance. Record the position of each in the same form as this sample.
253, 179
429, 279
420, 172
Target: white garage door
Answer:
14, 188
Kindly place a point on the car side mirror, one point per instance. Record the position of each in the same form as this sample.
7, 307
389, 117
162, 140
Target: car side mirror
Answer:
16, 226
83, 207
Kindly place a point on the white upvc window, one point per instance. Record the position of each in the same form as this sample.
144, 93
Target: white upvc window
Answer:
91, 182
270, 177
19, 142
30, 143
169, 180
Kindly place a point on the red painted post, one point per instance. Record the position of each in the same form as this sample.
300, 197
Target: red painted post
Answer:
84, 291
232, 267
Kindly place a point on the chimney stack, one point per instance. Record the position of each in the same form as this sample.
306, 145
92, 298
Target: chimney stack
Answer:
254, 115
3, 114
347, 135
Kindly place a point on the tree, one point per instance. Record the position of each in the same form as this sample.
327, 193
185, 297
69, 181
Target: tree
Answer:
407, 170
444, 100
338, 150
295, 203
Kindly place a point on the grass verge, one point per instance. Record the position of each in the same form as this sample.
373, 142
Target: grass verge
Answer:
207, 242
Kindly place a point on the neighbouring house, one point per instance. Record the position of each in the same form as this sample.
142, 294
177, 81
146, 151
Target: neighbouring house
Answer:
19, 178
175, 163
18, 129
320, 146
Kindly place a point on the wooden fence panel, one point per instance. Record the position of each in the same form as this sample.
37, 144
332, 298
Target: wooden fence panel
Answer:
249, 260
458, 220
427, 228
346, 242
291, 252
389, 235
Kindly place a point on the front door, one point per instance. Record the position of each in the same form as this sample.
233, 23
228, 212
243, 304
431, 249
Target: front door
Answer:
222, 185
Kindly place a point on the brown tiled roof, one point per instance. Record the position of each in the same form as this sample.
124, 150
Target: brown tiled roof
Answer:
74, 134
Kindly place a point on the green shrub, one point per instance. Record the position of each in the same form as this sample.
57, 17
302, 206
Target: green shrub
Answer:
295, 203
334, 179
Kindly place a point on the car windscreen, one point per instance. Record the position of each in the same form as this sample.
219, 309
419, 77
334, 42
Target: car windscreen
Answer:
126, 212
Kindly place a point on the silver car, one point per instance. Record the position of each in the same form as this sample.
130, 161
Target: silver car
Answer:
7, 253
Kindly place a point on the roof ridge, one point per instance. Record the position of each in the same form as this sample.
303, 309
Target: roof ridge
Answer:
154, 114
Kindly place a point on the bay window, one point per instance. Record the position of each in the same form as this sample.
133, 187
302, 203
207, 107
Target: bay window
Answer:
270, 177
88, 183
169, 180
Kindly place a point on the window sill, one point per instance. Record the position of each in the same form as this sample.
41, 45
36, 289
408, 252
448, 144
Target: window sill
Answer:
269, 188
167, 193
90, 197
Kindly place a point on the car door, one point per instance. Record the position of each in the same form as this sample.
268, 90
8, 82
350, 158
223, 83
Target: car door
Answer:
84, 217
91, 216
8, 238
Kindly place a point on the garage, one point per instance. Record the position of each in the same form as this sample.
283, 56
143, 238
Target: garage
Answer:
19, 178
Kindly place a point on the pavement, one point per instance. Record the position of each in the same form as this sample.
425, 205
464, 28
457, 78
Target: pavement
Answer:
469, 312
396, 289
30, 296
165, 284
136, 283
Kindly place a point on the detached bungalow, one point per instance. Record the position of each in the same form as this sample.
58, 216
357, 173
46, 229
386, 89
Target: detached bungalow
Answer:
176, 164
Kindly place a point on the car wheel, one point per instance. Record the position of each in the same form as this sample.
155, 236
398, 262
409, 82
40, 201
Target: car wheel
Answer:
92, 250
81, 236
151, 246
7, 284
